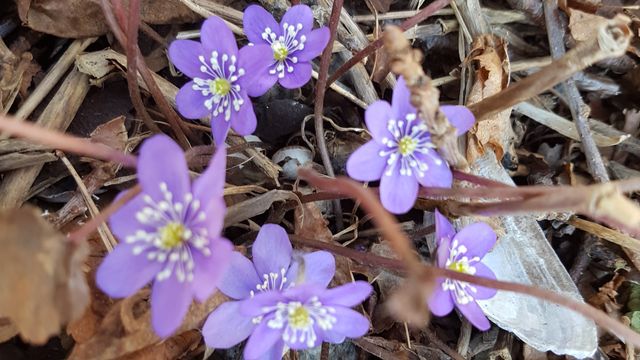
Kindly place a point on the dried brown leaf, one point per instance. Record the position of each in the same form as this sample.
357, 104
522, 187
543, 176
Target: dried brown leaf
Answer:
492, 76
256, 206
126, 329
83, 18
311, 224
43, 285
584, 26
7, 330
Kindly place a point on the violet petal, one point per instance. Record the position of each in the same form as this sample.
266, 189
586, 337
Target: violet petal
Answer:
216, 331
170, 300
319, 268
190, 102
244, 122
398, 193
272, 250
210, 269
439, 174
210, 184
440, 302
299, 14
256, 63
475, 315
219, 129
255, 305
184, 55
215, 35
366, 164
444, 229
300, 75
123, 223
459, 116
254, 22
153, 172
478, 238
122, 273
350, 323
377, 117
348, 295
401, 100
240, 278
261, 340
317, 40
482, 293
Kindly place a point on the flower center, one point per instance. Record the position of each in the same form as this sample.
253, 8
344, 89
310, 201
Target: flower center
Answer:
220, 86
407, 145
460, 266
280, 50
171, 235
299, 317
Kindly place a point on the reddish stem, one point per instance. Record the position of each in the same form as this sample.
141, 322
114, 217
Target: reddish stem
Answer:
372, 47
60, 141
89, 227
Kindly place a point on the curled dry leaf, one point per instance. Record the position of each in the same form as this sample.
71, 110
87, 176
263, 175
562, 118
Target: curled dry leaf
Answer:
83, 18
492, 76
42, 284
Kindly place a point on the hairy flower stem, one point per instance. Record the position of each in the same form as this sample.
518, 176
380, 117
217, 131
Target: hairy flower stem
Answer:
61, 141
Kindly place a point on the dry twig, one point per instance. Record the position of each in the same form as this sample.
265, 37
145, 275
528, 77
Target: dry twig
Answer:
407, 62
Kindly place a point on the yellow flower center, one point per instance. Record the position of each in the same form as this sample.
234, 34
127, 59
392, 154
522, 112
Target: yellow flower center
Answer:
460, 266
220, 86
171, 235
280, 52
299, 318
407, 145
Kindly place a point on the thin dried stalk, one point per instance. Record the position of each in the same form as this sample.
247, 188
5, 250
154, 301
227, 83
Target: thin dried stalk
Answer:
409, 23
319, 103
105, 234
612, 41
604, 232
58, 114
407, 62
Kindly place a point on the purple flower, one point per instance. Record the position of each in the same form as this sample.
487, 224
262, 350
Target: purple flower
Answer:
273, 269
169, 233
401, 153
293, 44
462, 252
303, 317
221, 77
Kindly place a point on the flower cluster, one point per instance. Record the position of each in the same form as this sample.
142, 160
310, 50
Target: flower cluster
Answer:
171, 232
462, 252
401, 154
224, 77
282, 300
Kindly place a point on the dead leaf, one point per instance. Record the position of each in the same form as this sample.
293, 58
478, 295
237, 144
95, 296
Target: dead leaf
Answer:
256, 206
584, 26
42, 284
173, 348
126, 329
83, 18
606, 297
492, 76
7, 330
310, 223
